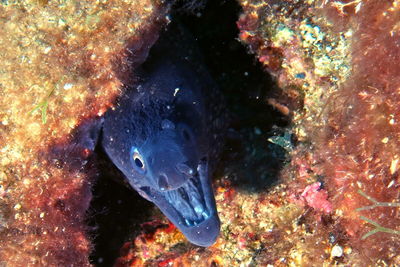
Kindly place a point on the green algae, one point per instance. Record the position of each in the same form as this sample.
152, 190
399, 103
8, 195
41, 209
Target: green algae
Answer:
42, 107
378, 228
376, 203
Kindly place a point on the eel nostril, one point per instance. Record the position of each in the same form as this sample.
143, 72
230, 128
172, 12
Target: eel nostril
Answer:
185, 169
163, 182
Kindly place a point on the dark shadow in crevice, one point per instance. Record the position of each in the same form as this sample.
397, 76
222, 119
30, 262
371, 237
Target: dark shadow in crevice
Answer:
250, 162
116, 212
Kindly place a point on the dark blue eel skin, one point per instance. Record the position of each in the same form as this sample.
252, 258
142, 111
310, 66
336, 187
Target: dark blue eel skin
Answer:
165, 134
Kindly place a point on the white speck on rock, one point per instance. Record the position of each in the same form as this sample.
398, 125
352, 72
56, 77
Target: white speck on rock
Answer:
337, 251
68, 86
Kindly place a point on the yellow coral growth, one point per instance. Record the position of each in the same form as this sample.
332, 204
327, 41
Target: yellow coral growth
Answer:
60, 62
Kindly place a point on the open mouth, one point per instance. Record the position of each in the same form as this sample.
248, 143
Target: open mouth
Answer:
190, 207
191, 204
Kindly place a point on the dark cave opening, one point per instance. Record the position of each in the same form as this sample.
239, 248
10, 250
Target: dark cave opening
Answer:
117, 211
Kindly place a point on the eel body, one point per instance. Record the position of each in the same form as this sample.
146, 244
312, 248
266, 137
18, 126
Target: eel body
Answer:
165, 134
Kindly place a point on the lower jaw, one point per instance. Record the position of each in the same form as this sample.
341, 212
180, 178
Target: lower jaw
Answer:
203, 212
207, 226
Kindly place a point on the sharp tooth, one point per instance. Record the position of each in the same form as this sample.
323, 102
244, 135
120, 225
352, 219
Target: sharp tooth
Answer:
198, 209
205, 215
179, 200
195, 199
188, 222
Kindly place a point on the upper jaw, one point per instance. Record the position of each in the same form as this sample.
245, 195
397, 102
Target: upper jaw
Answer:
191, 207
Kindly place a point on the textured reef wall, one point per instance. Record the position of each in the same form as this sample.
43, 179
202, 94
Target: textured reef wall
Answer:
359, 145
61, 63
336, 64
339, 58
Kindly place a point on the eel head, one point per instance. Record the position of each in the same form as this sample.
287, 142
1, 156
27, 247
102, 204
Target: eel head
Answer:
175, 177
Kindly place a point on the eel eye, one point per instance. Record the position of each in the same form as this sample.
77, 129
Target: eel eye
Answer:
137, 160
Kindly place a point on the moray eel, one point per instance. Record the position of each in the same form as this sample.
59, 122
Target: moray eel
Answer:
165, 133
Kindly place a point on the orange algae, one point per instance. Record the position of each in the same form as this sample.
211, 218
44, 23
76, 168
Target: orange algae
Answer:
61, 63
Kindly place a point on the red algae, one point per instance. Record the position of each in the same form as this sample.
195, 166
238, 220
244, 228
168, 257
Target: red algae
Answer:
62, 64
341, 56
359, 144
315, 197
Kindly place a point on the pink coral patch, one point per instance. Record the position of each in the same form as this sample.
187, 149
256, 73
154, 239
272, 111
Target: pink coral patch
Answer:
316, 198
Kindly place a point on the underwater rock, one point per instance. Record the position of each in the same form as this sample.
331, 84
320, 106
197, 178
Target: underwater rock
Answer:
339, 58
359, 144
60, 64
302, 49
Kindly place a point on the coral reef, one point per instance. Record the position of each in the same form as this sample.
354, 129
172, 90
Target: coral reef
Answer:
335, 64
339, 58
359, 143
257, 229
337, 201
61, 64
303, 50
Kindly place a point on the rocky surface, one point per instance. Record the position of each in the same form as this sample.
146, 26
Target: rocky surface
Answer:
61, 64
